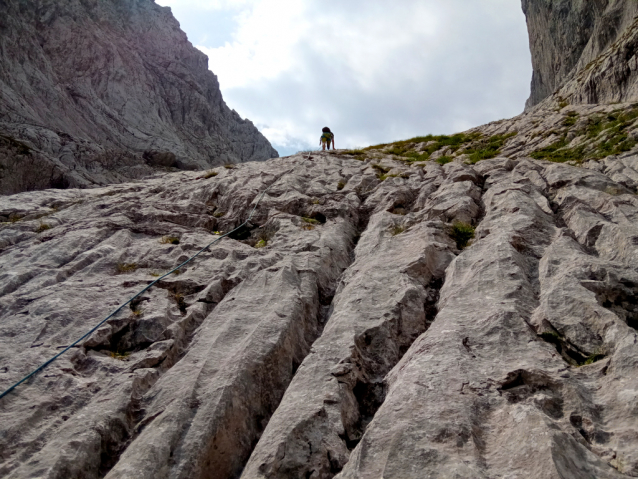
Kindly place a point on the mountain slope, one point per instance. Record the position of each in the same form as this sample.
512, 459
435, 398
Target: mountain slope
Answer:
567, 36
446, 306
103, 91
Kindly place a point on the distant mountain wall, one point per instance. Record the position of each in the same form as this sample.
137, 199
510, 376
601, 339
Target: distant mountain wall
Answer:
571, 36
95, 92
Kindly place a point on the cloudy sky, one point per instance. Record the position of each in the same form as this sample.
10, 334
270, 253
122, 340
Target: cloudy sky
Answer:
372, 70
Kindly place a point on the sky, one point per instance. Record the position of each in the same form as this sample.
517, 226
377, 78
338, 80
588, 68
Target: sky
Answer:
373, 71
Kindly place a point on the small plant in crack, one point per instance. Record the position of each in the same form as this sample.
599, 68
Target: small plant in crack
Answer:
169, 240
614, 191
124, 268
381, 171
219, 214
397, 230
120, 356
399, 209
262, 236
136, 310
571, 119
229, 166
341, 185
569, 352
356, 154
462, 233
311, 221
210, 174
597, 356
562, 103
42, 227
550, 337
444, 160
181, 303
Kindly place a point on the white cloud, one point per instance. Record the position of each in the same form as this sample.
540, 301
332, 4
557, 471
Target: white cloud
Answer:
205, 4
263, 45
372, 70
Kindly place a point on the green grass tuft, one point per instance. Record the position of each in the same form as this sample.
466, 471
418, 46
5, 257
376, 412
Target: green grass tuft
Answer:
120, 356
487, 148
550, 337
181, 303
381, 171
262, 243
593, 358
558, 153
406, 149
42, 227
444, 160
608, 135
124, 268
341, 185
169, 240
571, 119
462, 233
356, 154
211, 174
397, 230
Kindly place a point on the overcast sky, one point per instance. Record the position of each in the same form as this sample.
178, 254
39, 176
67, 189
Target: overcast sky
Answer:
372, 70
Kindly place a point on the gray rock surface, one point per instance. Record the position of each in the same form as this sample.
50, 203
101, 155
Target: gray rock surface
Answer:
350, 330
97, 92
344, 334
587, 37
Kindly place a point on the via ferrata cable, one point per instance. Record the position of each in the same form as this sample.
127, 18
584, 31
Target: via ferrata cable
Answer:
75, 343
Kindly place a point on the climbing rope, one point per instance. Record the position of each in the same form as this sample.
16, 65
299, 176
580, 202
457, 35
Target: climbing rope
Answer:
45, 364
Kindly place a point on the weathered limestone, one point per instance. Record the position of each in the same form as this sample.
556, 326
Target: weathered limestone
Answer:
103, 92
348, 331
299, 349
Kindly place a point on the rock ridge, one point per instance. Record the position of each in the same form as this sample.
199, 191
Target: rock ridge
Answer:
93, 93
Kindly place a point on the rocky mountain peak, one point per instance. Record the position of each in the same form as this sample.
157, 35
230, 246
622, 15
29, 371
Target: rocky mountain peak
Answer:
95, 92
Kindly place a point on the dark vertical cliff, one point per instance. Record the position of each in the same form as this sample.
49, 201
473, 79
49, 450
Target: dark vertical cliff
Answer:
566, 36
101, 91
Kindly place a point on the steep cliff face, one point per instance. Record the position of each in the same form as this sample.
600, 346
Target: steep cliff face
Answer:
566, 36
103, 91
